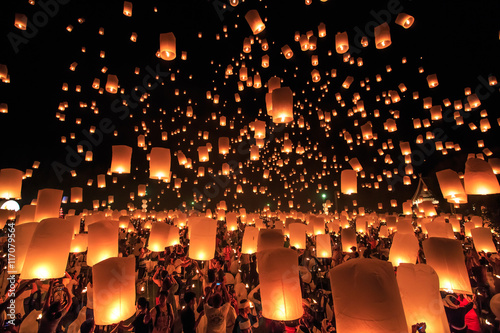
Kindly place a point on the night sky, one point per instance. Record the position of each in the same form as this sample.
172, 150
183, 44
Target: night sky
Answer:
456, 40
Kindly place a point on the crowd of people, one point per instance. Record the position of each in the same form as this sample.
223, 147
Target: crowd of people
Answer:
176, 293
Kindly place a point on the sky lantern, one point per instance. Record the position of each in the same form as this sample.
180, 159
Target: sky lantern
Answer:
223, 145
167, 46
159, 163
382, 36
20, 21
254, 153
203, 154
254, 21
24, 234
270, 239
348, 182
48, 250
232, 221
282, 99
341, 42
483, 240
114, 290
48, 204
404, 249
202, 231
79, 243
265, 61
447, 258
249, 242
405, 20
280, 284
297, 235
120, 160
450, 184
11, 181
315, 76
479, 177
321, 30
347, 82
355, 165
432, 81
287, 51
160, 238
419, 289
103, 241
112, 84
348, 237
76, 194
323, 246
366, 297
127, 8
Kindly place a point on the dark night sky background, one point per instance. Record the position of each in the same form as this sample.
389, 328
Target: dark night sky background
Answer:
457, 40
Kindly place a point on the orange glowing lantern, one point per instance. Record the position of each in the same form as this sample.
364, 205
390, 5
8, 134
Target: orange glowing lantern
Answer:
48, 250
120, 160
483, 240
280, 284
348, 182
404, 249
269, 239
24, 234
323, 246
382, 36
254, 21
162, 235
282, 101
79, 243
348, 237
341, 42
167, 46
112, 84
10, 183
479, 177
250, 238
202, 232
159, 163
103, 241
405, 20
48, 204
114, 290
297, 235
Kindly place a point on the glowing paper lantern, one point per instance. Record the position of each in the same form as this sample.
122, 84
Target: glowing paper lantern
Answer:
348, 182
450, 184
254, 21
48, 203
422, 303
280, 284
127, 8
348, 237
159, 163
114, 290
102, 241
483, 240
404, 249
202, 232
323, 246
162, 235
112, 84
382, 36
366, 297
341, 42
79, 243
48, 250
405, 20
120, 160
76, 194
10, 183
223, 145
297, 235
24, 234
282, 99
479, 177
447, 259
232, 221
250, 238
440, 229
167, 46
270, 239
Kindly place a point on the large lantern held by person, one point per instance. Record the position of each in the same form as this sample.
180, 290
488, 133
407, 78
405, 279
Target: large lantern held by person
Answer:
250, 238
24, 234
103, 241
280, 284
447, 258
162, 235
483, 240
48, 251
48, 204
297, 235
366, 297
323, 246
114, 290
202, 231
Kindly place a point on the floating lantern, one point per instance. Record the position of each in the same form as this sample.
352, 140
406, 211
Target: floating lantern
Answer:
422, 303
323, 246
280, 284
348, 238
366, 297
254, 21
405, 20
24, 234
479, 178
382, 36
282, 101
202, 232
79, 243
250, 238
341, 42
483, 240
120, 160
348, 182
112, 84
447, 259
162, 235
297, 235
127, 8
167, 46
48, 204
48, 250
10, 183
114, 290
102, 241
404, 249
270, 239
76, 194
